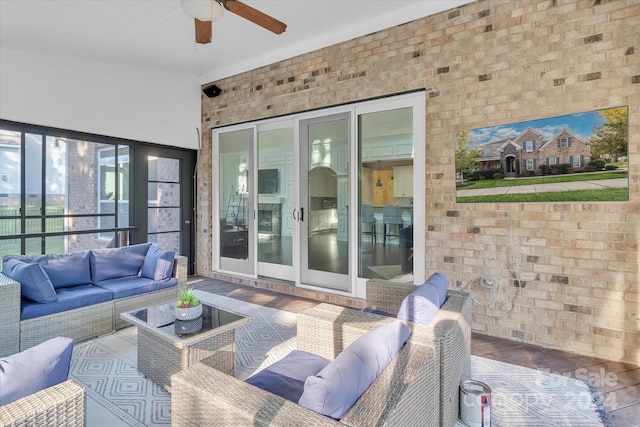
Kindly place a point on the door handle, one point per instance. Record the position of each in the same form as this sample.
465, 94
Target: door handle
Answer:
301, 214
187, 222
293, 213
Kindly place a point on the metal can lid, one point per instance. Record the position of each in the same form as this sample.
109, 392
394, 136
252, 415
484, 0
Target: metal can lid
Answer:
475, 387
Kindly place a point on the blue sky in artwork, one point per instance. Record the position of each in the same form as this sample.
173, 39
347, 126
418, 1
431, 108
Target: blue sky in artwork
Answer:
581, 124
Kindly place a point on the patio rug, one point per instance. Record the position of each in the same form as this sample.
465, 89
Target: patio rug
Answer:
119, 396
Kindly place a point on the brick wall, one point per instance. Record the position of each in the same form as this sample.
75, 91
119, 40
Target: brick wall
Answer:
491, 63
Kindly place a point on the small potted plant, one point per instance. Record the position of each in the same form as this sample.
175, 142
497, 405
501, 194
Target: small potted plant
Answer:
188, 306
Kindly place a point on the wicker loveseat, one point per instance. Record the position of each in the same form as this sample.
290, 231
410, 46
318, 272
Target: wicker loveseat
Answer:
78, 323
406, 393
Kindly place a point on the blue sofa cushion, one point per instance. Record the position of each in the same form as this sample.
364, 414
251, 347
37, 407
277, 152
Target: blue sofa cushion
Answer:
423, 304
34, 282
35, 369
286, 377
336, 387
68, 299
122, 287
117, 262
158, 264
63, 269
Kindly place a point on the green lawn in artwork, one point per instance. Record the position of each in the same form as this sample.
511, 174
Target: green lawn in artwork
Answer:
495, 183
600, 195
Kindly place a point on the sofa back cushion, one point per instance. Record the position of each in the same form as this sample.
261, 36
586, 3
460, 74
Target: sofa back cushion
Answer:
423, 304
34, 282
336, 387
35, 369
64, 270
117, 262
158, 264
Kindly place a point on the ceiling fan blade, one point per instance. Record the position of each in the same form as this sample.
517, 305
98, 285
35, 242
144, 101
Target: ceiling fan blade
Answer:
255, 16
203, 31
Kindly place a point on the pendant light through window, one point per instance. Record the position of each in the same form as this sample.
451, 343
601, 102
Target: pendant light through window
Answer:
379, 183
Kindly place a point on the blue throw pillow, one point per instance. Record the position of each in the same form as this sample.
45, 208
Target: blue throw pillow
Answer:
420, 306
64, 270
158, 264
286, 377
439, 281
34, 282
35, 369
337, 387
423, 304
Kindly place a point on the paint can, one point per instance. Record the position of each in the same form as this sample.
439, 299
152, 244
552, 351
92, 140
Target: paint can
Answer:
475, 403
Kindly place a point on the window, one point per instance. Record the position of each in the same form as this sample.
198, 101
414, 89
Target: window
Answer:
563, 142
530, 164
107, 183
576, 161
487, 152
63, 194
528, 146
552, 161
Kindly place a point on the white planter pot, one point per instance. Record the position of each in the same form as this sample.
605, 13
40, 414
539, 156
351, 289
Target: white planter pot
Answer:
188, 313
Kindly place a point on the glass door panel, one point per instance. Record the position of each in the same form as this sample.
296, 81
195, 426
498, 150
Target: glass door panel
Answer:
275, 213
385, 244
234, 201
324, 215
164, 220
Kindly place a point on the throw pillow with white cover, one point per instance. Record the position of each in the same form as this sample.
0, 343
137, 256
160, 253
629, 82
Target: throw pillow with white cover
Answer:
337, 387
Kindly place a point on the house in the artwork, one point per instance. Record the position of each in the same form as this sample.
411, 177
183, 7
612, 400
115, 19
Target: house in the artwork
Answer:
529, 150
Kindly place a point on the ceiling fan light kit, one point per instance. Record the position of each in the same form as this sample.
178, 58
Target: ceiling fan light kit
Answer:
205, 12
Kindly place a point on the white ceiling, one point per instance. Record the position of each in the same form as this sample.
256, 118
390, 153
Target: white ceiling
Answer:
158, 34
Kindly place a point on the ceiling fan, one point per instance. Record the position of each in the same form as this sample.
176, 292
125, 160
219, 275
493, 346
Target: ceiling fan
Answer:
205, 12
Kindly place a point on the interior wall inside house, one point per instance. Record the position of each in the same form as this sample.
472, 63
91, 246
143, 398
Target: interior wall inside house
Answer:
105, 99
566, 273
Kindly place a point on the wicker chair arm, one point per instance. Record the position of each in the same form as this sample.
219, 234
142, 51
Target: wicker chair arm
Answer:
62, 405
9, 315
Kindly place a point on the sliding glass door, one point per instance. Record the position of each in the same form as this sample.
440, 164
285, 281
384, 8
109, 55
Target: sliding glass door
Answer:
236, 215
324, 209
277, 209
324, 199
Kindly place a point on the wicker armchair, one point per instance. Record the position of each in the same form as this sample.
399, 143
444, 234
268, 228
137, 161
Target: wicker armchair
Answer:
406, 393
62, 405
452, 326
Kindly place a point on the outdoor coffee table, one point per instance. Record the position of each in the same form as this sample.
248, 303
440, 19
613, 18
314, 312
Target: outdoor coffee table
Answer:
162, 352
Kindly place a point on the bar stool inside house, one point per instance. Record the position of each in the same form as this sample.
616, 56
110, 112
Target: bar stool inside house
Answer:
391, 216
369, 220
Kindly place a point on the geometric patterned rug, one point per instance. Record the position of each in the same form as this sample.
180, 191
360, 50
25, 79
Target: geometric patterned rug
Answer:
117, 395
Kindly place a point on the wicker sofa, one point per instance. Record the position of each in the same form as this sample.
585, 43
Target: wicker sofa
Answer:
406, 393
62, 405
78, 323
